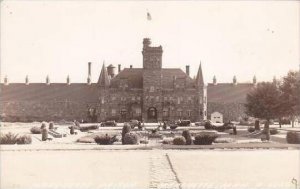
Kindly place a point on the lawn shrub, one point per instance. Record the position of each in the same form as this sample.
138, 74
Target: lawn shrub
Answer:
168, 140
88, 127
126, 129
220, 129
44, 134
144, 141
208, 125
11, 138
273, 131
188, 137
8, 138
130, 138
43, 125
25, 139
36, 130
251, 129
293, 137
172, 127
105, 139
51, 125
205, 138
179, 140
155, 135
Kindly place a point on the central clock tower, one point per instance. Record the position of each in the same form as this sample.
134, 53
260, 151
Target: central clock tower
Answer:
152, 82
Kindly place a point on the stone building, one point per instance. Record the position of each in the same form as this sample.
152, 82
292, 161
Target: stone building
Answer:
151, 93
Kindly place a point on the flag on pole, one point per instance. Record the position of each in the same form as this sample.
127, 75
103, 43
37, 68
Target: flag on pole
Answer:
149, 16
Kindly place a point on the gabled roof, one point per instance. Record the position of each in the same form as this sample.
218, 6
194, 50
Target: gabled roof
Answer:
134, 77
228, 92
199, 78
80, 92
103, 80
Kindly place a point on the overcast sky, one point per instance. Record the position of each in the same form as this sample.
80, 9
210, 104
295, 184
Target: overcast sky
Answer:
58, 38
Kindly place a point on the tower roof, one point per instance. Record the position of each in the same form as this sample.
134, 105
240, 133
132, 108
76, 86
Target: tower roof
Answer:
199, 78
103, 80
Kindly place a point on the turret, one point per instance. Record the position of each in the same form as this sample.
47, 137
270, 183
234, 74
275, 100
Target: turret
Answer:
103, 80
254, 80
187, 70
111, 70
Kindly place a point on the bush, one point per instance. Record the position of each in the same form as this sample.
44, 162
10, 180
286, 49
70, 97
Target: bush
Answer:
220, 129
205, 138
36, 130
144, 141
179, 140
51, 125
44, 134
25, 139
130, 138
9, 138
251, 129
172, 127
208, 125
155, 135
273, 131
293, 137
43, 125
105, 140
126, 129
168, 140
188, 137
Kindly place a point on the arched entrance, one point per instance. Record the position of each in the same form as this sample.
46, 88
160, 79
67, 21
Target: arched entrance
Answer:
152, 114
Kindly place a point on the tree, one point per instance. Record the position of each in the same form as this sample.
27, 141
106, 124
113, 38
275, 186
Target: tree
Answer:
289, 99
263, 102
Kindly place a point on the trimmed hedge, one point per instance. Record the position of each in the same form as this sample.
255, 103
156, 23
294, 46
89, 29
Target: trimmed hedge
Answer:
205, 138
105, 139
126, 129
273, 131
179, 140
188, 137
293, 137
36, 130
251, 129
130, 138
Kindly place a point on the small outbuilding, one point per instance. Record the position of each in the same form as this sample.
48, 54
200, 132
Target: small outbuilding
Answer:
216, 117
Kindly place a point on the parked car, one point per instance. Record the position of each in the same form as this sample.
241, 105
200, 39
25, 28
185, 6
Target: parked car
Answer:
109, 124
183, 123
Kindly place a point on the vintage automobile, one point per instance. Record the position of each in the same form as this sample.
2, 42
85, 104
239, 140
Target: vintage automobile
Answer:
111, 123
183, 123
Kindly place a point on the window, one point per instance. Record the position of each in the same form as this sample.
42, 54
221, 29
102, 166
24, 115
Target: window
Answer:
151, 89
133, 98
102, 100
157, 99
165, 98
178, 100
179, 112
123, 98
113, 112
138, 111
138, 98
190, 100
113, 98
189, 113
165, 112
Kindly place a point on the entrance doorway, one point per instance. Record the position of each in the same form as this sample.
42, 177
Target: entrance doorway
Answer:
152, 114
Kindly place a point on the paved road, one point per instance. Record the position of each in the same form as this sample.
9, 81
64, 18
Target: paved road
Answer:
149, 169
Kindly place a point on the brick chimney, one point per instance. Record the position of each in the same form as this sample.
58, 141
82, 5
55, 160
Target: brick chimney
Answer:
187, 70
130, 66
119, 68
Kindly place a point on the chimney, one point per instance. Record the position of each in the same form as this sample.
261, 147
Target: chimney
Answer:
234, 81
174, 81
254, 80
5, 80
47, 80
119, 68
26, 80
187, 70
89, 68
130, 66
214, 80
68, 80
89, 81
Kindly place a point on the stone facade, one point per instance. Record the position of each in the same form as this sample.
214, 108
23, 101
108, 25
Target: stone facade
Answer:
151, 93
